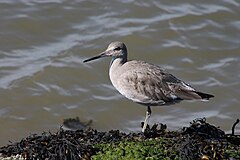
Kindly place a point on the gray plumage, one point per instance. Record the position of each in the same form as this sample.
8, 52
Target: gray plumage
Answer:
145, 83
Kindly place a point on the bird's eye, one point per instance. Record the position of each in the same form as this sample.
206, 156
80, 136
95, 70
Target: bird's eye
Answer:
117, 49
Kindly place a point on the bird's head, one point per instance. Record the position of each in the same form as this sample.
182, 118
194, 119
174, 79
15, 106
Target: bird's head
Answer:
114, 50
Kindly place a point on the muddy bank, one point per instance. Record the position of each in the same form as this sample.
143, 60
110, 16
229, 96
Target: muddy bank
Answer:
200, 140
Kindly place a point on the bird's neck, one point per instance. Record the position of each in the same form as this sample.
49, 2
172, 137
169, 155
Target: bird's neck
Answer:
115, 68
118, 61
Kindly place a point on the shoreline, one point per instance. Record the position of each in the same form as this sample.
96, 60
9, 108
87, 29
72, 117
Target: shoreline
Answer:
200, 140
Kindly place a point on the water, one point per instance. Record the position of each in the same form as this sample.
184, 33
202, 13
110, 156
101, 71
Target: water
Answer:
43, 79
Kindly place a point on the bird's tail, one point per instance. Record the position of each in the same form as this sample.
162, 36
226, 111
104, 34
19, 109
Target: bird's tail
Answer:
205, 95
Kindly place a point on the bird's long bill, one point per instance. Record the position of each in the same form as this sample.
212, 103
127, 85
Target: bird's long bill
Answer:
103, 54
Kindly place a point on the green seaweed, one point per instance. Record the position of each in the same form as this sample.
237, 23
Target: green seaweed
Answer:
152, 149
233, 153
165, 149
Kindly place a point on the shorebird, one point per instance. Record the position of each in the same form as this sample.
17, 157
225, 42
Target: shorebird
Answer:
145, 83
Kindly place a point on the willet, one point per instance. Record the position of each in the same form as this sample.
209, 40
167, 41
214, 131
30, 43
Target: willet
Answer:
145, 83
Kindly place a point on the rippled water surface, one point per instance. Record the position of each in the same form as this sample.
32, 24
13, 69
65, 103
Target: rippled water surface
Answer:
43, 44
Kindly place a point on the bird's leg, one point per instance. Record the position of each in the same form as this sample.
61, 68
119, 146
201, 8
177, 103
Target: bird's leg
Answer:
148, 115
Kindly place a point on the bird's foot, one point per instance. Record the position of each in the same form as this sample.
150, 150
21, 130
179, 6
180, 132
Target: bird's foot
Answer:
155, 131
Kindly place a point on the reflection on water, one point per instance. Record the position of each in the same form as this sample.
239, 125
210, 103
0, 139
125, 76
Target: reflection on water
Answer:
43, 79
